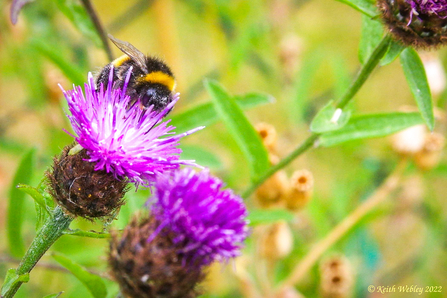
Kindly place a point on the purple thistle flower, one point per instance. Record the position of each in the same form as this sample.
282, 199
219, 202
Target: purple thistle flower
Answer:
127, 141
16, 7
209, 223
428, 7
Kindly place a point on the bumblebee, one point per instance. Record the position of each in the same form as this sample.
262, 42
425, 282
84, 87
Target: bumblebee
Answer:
151, 81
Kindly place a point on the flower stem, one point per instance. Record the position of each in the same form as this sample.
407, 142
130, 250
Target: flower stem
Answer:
53, 228
98, 26
364, 73
343, 227
366, 70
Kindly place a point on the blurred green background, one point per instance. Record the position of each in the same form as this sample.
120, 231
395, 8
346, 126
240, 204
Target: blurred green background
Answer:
302, 53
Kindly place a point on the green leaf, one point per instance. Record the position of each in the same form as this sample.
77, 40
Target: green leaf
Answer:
342, 76
364, 6
329, 118
53, 295
16, 200
393, 52
370, 126
11, 279
89, 234
240, 128
372, 32
34, 193
42, 209
259, 216
80, 19
302, 85
417, 80
70, 70
205, 114
93, 282
201, 156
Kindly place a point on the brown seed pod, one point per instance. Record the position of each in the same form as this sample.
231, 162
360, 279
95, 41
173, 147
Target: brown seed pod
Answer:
419, 28
301, 188
276, 241
337, 278
148, 266
82, 191
273, 190
268, 135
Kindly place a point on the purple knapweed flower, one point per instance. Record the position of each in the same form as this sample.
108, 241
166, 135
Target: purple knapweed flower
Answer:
428, 7
420, 24
16, 7
120, 138
207, 222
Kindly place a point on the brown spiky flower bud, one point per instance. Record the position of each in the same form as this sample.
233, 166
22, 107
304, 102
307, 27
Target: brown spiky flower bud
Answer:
337, 278
417, 23
301, 188
81, 190
147, 269
429, 156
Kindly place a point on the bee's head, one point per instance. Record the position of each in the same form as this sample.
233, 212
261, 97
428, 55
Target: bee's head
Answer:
157, 95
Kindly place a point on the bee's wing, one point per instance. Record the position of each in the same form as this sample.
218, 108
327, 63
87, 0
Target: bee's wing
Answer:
130, 51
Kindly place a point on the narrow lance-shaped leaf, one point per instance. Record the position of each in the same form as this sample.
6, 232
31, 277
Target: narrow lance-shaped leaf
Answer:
16, 201
42, 210
205, 114
372, 31
201, 156
93, 282
370, 126
240, 128
393, 52
79, 17
417, 80
73, 73
364, 6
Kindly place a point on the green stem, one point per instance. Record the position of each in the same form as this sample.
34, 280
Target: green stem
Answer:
297, 152
358, 82
364, 73
99, 27
53, 228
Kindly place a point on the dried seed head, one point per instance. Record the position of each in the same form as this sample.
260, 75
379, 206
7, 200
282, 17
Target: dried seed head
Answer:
337, 278
148, 266
416, 23
277, 241
301, 188
81, 190
274, 189
268, 135
409, 141
431, 153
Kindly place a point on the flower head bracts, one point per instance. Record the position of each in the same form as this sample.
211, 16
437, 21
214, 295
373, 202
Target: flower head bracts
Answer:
126, 140
209, 222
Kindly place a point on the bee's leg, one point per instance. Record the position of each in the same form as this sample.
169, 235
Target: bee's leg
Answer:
103, 76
